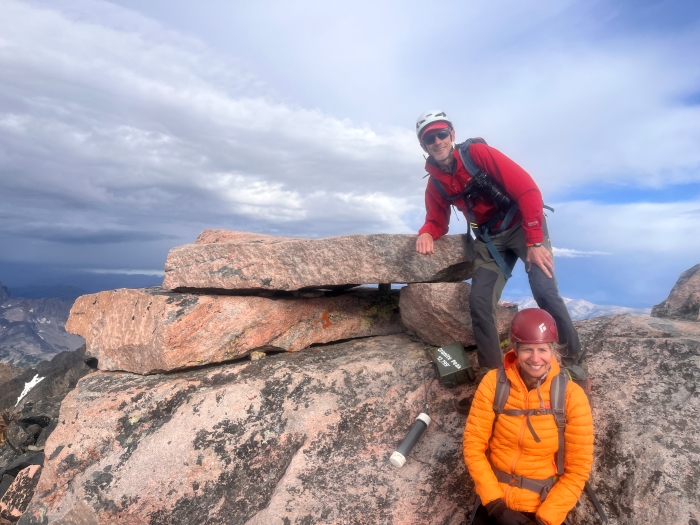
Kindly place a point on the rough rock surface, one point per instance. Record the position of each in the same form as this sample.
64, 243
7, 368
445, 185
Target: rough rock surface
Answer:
146, 331
16, 500
646, 410
439, 313
684, 300
305, 437
297, 438
241, 261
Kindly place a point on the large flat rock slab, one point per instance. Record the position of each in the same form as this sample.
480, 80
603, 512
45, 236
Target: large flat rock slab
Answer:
225, 260
150, 330
300, 438
439, 313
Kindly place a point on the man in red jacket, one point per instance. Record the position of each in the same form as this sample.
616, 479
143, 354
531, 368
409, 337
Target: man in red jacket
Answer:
506, 204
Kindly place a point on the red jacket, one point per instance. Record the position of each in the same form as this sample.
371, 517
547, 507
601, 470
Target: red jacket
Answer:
515, 180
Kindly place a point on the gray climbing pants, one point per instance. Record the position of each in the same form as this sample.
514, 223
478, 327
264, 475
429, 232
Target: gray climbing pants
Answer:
488, 283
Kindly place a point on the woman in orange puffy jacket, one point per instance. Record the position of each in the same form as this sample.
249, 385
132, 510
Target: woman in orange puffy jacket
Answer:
513, 458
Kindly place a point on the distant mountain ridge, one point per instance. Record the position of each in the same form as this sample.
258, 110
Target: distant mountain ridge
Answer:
58, 291
32, 330
580, 309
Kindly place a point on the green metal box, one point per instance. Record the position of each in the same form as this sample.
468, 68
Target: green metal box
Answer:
452, 364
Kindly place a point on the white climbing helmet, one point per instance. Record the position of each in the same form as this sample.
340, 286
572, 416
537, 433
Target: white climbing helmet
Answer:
429, 117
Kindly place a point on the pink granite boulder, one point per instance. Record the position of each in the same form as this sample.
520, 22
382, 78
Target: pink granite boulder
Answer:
223, 260
15, 501
439, 313
147, 331
646, 412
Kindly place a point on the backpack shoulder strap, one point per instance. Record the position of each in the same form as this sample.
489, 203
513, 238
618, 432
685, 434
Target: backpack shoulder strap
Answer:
502, 391
557, 397
441, 190
463, 151
501, 396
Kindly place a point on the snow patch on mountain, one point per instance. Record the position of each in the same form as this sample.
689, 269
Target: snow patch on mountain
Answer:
580, 309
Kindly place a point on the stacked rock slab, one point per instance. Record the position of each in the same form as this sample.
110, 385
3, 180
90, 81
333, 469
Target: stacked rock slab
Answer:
151, 330
439, 313
231, 293
223, 260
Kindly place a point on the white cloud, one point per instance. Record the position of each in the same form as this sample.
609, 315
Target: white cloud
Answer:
118, 271
106, 124
656, 229
568, 252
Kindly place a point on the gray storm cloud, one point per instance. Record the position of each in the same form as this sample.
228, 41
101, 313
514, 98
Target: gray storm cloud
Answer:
119, 133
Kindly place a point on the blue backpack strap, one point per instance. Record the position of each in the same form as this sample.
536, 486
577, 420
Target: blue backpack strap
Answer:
473, 169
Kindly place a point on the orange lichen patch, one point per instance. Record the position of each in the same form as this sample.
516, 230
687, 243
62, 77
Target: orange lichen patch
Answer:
325, 321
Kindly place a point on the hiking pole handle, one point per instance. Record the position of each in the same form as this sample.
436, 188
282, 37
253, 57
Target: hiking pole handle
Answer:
398, 458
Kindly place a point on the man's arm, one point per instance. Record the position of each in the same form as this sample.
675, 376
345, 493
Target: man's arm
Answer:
437, 221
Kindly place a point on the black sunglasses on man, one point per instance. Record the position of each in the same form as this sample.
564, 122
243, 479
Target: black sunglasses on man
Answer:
430, 138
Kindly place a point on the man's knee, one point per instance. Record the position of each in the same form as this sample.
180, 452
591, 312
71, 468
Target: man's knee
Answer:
542, 287
481, 296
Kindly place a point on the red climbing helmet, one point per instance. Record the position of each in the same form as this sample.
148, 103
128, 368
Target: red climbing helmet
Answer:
533, 325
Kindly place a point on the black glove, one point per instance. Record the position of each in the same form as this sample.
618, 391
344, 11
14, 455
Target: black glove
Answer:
504, 516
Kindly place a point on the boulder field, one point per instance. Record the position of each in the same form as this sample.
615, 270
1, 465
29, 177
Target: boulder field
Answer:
292, 427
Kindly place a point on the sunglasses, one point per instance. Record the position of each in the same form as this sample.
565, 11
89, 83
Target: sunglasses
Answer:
442, 135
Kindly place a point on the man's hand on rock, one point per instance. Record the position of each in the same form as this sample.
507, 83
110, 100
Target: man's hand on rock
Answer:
425, 244
542, 257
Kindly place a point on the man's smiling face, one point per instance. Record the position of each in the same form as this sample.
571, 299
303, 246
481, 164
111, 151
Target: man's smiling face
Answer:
438, 143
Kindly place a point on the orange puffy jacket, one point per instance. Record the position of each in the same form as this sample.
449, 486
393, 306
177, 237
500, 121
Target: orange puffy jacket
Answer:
513, 449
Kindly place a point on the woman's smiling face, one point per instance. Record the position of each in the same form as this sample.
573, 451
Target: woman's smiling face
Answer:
535, 359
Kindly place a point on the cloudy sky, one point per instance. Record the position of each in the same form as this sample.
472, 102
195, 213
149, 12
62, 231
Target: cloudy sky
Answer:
127, 127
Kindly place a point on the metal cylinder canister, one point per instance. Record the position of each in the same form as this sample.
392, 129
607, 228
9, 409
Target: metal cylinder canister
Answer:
398, 458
